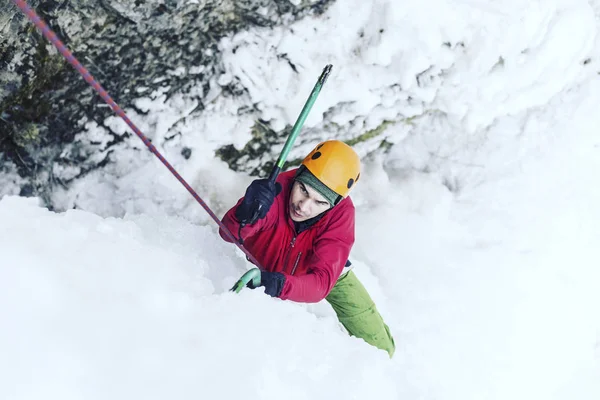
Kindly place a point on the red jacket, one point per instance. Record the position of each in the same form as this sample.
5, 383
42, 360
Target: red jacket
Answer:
313, 260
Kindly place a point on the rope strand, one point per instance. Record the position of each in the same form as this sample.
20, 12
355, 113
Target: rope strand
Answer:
51, 36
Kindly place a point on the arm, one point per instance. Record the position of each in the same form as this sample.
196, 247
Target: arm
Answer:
331, 251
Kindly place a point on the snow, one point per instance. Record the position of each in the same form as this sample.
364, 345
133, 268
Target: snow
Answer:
139, 307
477, 233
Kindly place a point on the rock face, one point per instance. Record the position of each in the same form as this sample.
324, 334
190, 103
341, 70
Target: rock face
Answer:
132, 47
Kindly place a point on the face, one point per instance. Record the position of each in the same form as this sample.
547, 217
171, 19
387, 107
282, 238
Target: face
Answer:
306, 203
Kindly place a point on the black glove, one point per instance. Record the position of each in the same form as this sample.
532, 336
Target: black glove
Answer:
272, 281
257, 201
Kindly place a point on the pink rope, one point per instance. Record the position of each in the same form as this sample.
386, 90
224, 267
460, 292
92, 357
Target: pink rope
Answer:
51, 36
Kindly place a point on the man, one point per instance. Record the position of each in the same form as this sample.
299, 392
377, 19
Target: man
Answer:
301, 230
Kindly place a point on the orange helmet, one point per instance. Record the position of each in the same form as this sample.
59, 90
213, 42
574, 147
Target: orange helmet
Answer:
335, 164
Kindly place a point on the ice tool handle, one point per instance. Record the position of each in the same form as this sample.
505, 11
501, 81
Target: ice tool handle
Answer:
251, 275
293, 135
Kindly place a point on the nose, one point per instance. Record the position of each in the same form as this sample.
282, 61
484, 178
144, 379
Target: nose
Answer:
303, 206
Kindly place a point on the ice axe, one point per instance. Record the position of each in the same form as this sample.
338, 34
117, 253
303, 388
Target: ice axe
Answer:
292, 137
251, 275
254, 273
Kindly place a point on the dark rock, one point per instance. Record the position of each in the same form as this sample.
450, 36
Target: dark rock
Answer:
125, 45
186, 152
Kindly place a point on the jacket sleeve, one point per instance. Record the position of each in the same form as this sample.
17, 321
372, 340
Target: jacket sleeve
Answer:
330, 253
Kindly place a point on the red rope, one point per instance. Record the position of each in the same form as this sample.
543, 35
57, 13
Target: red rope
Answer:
51, 36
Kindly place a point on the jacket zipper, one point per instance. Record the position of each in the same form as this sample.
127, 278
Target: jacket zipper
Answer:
287, 256
296, 263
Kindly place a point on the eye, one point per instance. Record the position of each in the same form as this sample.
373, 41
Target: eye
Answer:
304, 191
322, 203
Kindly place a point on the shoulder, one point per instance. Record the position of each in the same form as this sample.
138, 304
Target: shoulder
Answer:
340, 219
344, 208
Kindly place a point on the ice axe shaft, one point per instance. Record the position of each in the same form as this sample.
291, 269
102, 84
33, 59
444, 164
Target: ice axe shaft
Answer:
289, 143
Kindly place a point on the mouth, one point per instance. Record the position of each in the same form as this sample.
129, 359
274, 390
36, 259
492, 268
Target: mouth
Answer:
295, 213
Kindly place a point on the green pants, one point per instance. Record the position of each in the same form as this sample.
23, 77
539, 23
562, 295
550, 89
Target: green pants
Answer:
357, 312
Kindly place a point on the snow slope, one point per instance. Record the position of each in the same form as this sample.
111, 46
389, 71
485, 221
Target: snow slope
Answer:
477, 233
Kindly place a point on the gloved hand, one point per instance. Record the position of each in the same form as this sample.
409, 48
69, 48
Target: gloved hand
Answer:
272, 281
257, 201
